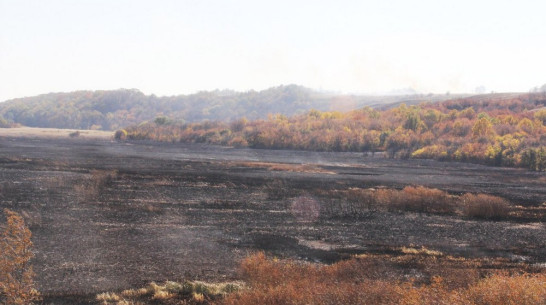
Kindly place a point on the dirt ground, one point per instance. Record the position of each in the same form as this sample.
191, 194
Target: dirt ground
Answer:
107, 216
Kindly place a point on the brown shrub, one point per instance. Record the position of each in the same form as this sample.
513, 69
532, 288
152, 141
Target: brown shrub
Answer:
287, 282
415, 199
353, 202
521, 289
484, 206
388, 198
422, 199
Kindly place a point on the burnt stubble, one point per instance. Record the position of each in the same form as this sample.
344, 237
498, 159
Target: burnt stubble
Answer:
108, 215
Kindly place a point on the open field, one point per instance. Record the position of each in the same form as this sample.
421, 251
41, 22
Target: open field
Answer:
32, 132
108, 216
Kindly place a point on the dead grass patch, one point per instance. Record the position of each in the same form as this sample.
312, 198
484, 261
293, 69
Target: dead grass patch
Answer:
196, 292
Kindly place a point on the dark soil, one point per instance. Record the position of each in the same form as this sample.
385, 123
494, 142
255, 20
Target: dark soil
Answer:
108, 216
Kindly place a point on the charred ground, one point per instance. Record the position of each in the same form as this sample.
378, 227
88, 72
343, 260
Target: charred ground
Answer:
108, 216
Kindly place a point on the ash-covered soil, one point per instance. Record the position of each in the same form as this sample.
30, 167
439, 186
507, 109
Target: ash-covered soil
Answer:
107, 216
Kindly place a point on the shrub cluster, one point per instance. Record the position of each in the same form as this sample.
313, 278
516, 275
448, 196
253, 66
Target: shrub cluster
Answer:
420, 199
484, 206
286, 282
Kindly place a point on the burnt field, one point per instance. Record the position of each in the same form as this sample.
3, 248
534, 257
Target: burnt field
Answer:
108, 216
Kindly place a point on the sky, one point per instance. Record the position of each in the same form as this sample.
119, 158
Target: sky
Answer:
166, 47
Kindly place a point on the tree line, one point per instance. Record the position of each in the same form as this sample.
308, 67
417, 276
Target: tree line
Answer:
498, 129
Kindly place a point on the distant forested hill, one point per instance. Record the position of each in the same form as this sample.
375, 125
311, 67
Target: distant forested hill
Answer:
110, 110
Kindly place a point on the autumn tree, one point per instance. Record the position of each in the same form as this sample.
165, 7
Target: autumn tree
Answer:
534, 159
16, 275
489, 130
482, 128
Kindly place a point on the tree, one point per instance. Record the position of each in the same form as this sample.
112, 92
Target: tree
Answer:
16, 275
162, 120
534, 159
541, 116
482, 128
3, 122
412, 121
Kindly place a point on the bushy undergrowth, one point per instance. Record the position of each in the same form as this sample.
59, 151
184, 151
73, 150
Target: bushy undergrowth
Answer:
414, 276
353, 282
355, 201
484, 206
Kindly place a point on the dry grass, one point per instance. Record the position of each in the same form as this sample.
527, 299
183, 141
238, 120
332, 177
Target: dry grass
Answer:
172, 293
94, 183
30, 132
422, 250
354, 282
279, 189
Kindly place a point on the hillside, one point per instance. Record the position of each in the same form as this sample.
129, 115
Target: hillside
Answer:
493, 129
110, 110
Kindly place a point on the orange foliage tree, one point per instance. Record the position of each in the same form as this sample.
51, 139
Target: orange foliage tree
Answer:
16, 275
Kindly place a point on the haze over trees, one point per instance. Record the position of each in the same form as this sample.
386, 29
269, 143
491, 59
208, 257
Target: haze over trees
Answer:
110, 110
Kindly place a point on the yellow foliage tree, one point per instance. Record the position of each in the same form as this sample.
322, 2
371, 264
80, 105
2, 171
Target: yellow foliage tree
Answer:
482, 128
16, 275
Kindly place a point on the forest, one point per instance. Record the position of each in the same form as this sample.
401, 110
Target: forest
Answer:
114, 109
494, 129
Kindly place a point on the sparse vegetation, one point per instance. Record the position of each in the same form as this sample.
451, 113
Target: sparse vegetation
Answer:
172, 293
96, 180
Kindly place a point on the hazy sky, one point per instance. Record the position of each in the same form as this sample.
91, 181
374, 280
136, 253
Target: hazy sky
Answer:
180, 47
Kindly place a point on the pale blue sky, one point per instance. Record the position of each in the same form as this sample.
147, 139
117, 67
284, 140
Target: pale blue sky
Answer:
180, 47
